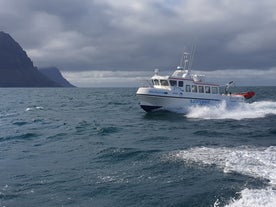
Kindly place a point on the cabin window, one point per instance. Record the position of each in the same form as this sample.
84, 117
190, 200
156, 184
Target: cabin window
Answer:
164, 83
180, 83
194, 88
200, 89
207, 89
173, 82
155, 82
188, 88
215, 90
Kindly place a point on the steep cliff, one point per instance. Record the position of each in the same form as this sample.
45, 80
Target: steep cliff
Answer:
17, 69
55, 75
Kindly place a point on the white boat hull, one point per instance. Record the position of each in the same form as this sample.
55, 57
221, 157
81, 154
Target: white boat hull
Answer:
152, 99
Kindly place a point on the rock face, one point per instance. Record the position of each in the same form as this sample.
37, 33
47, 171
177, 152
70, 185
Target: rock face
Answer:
54, 74
17, 69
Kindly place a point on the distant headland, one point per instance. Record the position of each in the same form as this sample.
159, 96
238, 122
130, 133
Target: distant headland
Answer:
17, 69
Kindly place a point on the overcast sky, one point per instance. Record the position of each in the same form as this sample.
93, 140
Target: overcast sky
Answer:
89, 36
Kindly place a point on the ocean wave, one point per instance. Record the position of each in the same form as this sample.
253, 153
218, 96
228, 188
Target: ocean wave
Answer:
23, 136
34, 108
255, 198
241, 111
107, 130
119, 179
20, 123
251, 161
120, 154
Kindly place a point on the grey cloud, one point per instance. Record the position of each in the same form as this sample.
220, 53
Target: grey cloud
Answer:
117, 35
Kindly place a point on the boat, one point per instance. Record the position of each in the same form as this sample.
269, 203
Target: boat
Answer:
181, 90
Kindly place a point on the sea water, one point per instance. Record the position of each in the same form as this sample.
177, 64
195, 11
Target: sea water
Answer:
96, 147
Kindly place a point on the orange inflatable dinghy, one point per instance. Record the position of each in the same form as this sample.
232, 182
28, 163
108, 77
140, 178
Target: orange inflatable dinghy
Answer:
247, 95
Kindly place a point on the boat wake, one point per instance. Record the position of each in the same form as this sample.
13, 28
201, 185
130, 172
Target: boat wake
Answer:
255, 197
250, 161
240, 111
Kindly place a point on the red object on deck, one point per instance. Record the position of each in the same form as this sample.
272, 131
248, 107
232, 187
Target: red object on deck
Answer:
247, 95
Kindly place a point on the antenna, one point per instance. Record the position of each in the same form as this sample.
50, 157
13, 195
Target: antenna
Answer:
192, 57
182, 60
186, 57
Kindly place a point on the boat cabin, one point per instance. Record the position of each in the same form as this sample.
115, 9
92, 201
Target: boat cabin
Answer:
184, 81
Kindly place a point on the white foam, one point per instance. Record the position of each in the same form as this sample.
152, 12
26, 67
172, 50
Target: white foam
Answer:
257, 162
34, 108
112, 179
255, 198
241, 111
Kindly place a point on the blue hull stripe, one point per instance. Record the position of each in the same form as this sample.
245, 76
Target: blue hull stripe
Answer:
179, 97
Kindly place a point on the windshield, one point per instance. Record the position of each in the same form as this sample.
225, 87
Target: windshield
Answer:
164, 83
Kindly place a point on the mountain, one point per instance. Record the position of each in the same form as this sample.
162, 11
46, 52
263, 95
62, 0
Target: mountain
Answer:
55, 75
17, 69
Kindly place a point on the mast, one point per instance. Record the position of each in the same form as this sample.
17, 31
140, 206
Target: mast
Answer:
192, 57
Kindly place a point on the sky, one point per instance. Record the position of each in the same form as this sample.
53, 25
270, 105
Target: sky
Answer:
107, 42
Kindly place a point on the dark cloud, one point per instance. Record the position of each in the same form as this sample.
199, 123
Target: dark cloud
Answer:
144, 34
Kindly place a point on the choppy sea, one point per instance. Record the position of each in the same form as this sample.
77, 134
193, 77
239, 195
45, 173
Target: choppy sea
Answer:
96, 147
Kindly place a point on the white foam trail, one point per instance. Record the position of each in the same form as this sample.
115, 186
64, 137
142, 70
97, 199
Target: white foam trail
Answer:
251, 161
255, 162
241, 111
255, 198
